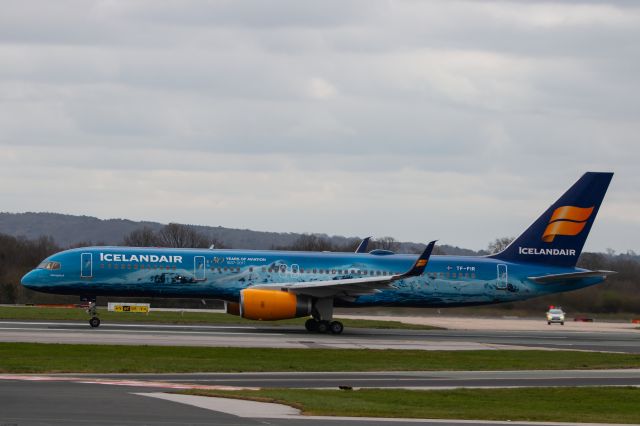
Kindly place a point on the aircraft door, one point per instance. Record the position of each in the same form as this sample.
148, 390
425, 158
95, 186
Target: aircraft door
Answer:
86, 265
199, 268
503, 277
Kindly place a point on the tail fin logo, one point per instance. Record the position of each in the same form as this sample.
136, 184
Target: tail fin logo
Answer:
566, 220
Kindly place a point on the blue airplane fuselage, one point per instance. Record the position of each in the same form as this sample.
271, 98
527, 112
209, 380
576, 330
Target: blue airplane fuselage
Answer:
222, 274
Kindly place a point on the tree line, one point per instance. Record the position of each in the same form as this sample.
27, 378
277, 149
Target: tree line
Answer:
620, 293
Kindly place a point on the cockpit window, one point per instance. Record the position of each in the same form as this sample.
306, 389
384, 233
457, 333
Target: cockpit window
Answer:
47, 264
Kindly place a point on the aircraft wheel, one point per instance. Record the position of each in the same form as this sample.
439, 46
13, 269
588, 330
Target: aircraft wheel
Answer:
562, 323
323, 327
94, 322
548, 322
336, 327
311, 325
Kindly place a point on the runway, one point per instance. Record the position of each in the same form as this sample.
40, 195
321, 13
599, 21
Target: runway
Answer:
297, 337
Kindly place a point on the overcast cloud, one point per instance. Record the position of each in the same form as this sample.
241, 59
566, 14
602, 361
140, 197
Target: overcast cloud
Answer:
454, 120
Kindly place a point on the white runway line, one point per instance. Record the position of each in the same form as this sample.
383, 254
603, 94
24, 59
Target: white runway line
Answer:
115, 324
213, 333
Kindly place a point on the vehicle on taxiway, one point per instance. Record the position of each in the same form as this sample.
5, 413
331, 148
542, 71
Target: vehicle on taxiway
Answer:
555, 315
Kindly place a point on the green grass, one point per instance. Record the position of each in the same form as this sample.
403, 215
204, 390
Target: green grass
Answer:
583, 405
51, 358
164, 317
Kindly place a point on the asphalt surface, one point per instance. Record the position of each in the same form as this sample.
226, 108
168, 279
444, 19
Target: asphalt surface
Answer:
296, 337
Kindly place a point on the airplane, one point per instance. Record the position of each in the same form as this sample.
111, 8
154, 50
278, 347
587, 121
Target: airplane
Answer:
274, 285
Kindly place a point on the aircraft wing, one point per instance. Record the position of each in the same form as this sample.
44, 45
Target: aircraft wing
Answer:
352, 287
554, 278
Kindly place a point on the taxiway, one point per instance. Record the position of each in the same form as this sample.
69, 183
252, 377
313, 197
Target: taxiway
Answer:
296, 337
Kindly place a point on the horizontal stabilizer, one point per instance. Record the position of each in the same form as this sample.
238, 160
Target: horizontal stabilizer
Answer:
554, 278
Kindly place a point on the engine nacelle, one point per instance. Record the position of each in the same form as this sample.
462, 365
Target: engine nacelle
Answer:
270, 305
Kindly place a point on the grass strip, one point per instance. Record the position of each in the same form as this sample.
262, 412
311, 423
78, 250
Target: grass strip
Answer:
166, 317
52, 358
583, 404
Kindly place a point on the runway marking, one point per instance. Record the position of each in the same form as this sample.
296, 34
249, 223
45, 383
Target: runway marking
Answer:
116, 325
501, 336
116, 382
213, 333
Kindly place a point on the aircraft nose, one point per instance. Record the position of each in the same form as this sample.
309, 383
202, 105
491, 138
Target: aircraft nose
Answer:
30, 279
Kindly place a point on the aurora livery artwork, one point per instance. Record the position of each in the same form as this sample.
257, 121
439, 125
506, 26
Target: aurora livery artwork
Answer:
275, 285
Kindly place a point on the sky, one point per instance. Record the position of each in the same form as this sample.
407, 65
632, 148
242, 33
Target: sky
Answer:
453, 120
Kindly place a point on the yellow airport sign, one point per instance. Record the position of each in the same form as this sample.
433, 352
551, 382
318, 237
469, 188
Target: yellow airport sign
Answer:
129, 307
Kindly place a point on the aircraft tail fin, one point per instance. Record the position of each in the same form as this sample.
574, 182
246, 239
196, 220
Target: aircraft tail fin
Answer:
558, 235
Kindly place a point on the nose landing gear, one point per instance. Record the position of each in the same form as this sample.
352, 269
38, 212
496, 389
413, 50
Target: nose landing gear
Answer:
94, 322
92, 311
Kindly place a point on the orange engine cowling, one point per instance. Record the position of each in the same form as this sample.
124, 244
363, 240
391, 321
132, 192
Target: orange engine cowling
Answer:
270, 305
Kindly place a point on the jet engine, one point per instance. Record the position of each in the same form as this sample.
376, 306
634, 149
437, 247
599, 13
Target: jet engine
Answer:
270, 305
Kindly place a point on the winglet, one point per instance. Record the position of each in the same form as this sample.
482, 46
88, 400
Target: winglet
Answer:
420, 265
362, 248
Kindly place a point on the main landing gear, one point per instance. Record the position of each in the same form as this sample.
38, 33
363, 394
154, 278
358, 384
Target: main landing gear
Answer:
333, 327
322, 321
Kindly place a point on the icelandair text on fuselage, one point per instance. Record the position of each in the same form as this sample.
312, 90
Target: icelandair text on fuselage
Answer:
549, 251
148, 258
